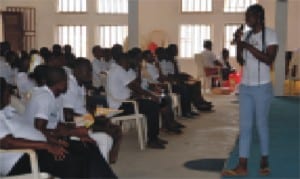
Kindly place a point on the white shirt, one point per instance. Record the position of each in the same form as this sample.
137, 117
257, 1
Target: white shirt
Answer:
6, 71
167, 67
44, 105
74, 98
99, 66
24, 84
208, 58
255, 72
118, 79
11, 123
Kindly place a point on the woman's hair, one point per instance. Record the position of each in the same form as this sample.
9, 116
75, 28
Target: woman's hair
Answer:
260, 12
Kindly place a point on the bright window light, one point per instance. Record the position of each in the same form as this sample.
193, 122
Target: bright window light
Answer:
110, 35
192, 37
237, 5
196, 5
74, 36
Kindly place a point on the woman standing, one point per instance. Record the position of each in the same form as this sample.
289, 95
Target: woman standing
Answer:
256, 51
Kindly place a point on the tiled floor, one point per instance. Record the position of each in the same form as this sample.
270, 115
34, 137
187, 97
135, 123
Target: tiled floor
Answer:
211, 135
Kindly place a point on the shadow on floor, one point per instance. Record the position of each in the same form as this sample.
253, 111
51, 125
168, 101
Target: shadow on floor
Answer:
213, 165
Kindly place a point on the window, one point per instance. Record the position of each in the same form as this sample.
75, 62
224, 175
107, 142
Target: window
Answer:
196, 5
74, 36
192, 37
71, 5
113, 6
228, 37
110, 35
237, 5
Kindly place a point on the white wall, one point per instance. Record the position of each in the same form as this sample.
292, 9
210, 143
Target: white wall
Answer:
154, 15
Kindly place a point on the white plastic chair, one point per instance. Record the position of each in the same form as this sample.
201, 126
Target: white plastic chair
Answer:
202, 75
140, 121
35, 173
176, 103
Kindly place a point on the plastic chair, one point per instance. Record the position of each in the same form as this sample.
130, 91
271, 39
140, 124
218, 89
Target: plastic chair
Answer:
176, 103
35, 173
140, 123
203, 73
126, 120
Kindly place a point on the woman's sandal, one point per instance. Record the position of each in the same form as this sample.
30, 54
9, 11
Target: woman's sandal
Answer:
265, 171
234, 172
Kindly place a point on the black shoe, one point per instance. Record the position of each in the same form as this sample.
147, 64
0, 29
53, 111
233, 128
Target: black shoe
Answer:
179, 125
155, 145
162, 141
174, 131
204, 107
188, 115
193, 113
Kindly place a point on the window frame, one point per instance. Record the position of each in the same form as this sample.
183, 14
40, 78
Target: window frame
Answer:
211, 30
236, 12
196, 12
83, 53
110, 13
71, 12
98, 34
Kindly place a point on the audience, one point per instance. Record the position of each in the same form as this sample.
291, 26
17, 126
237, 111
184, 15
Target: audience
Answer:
54, 158
60, 87
122, 84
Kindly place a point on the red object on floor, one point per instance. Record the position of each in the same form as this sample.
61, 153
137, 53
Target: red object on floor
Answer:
236, 77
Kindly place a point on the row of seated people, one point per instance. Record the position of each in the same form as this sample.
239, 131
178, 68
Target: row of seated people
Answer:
45, 115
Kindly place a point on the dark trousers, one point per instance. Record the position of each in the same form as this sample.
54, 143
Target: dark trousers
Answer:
195, 91
82, 161
151, 110
71, 167
185, 97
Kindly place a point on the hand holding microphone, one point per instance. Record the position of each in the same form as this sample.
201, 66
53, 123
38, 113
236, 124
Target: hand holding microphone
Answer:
238, 35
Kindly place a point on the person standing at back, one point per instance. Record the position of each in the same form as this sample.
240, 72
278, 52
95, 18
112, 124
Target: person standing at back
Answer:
256, 51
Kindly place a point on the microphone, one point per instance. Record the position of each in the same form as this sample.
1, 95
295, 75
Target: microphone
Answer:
241, 28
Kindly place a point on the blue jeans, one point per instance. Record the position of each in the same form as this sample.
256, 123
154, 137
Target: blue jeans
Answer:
255, 103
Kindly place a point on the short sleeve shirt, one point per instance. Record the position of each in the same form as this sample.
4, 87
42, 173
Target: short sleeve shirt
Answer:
118, 79
255, 72
43, 104
208, 58
11, 124
74, 98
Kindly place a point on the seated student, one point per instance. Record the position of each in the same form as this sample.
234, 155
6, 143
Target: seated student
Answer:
151, 81
7, 63
210, 62
99, 68
184, 80
226, 67
43, 111
24, 83
74, 104
15, 134
122, 85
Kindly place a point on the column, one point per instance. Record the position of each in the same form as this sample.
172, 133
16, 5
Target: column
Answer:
133, 23
281, 29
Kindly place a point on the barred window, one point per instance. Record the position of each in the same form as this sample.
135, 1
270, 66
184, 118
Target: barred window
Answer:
74, 36
113, 6
192, 37
196, 5
109, 35
72, 6
237, 5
